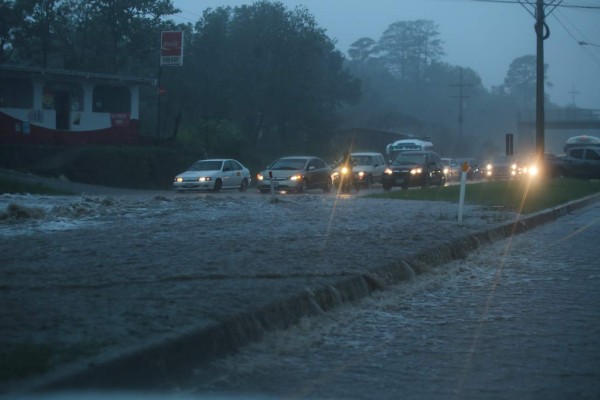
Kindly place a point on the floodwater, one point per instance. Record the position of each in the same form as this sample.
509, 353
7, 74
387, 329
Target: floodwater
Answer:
517, 319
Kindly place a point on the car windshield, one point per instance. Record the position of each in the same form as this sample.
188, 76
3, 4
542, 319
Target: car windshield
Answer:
410, 158
206, 166
362, 160
289, 164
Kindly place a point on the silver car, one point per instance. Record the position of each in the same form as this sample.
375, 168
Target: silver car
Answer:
297, 174
213, 174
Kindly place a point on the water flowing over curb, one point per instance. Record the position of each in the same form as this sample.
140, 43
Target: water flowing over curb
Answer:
161, 364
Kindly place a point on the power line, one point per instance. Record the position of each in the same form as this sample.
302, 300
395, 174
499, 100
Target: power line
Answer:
580, 6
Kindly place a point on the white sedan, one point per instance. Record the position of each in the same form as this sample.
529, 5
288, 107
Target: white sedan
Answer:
215, 174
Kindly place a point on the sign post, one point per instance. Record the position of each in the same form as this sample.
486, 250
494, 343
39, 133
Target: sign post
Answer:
171, 55
463, 184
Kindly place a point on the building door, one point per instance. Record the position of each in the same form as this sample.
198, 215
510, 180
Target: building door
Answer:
62, 107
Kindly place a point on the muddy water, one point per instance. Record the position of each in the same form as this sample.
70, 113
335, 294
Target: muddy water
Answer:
518, 319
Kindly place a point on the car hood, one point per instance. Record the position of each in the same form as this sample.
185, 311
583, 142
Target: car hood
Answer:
197, 174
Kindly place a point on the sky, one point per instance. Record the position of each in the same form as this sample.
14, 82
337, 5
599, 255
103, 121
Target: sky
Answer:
485, 36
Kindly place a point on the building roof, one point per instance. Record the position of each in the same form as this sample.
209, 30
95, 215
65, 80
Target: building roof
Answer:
12, 70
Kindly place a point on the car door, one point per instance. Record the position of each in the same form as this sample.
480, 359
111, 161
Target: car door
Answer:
592, 163
228, 175
238, 173
435, 167
313, 175
574, 162
379, 168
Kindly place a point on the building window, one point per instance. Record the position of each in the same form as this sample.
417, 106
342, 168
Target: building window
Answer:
111, 99
71, 94
16, 93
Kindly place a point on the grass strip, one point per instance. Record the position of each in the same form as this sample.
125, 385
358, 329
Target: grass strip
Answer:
526, 195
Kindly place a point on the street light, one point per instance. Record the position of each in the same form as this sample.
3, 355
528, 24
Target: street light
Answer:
584, 43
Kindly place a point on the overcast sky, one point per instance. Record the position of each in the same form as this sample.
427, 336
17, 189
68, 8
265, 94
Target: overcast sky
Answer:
484, 36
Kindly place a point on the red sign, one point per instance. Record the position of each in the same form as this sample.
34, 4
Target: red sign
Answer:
171, 48
119, 120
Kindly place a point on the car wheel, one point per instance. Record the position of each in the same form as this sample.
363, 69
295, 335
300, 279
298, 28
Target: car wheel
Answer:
369, 181
218, 185
244, 185
303, 186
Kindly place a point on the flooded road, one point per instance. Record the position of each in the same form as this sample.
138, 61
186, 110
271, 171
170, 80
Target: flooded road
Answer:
519, 319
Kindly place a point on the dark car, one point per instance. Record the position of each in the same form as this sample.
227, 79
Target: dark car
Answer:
296, 174
502, 167
582, 162
415, 168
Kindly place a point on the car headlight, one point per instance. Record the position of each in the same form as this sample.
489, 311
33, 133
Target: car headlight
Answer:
335, 174
178, 179
204, 179
388, 171
296, 178
446, 170
260, 177
361, 174
416, 171
514, 166
533, 170
344, 170
489, 167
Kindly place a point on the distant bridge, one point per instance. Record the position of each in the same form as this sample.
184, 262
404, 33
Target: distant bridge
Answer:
563, 119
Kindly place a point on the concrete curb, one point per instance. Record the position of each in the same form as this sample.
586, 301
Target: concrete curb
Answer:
162, 364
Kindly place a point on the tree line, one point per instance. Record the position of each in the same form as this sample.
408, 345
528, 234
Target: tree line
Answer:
260, 80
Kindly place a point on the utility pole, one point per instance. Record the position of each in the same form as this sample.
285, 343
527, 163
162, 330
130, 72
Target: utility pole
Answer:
573, 92
460, 97
542, 33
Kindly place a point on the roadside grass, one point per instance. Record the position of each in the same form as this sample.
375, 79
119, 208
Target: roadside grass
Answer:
522, 195
14, 187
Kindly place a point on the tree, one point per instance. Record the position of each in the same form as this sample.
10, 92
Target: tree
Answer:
110, 36
271, 70
362, 49
409, 47
520, 80
9, 22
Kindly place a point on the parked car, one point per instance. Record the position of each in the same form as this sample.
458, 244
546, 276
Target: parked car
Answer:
415, 168
367, 168
582, 162
452, 169
501, 167
297, 173
213, 174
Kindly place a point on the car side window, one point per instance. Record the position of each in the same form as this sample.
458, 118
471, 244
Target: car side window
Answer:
227, 166
317, 164
236, 165
592, 155
577, 153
